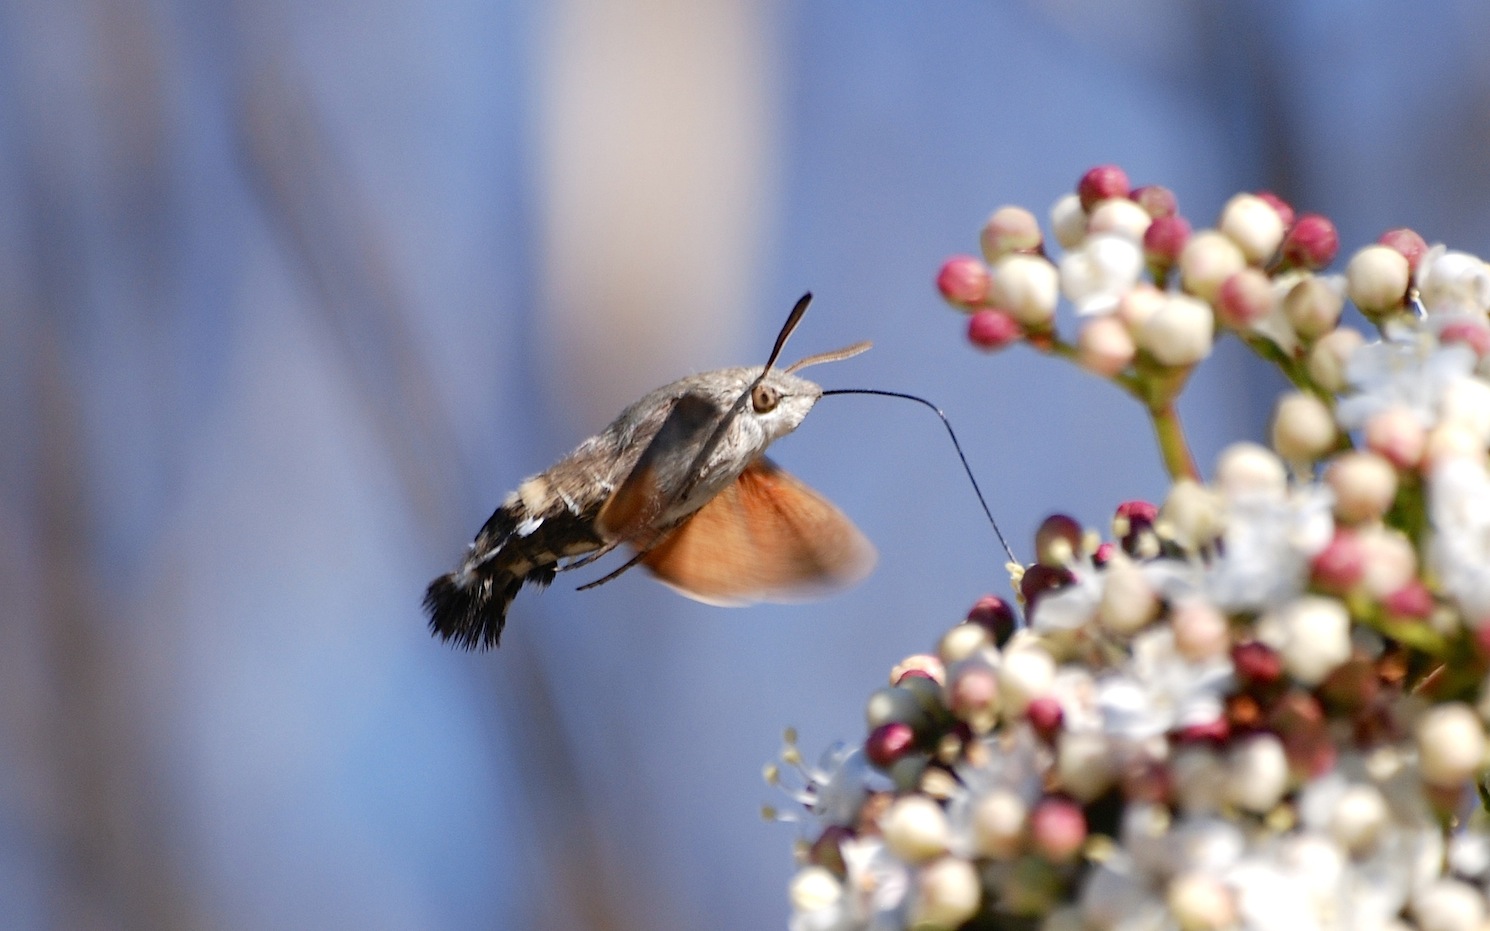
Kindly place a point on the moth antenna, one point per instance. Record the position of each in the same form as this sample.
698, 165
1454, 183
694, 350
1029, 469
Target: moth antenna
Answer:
955, 445
792, 319
836, 355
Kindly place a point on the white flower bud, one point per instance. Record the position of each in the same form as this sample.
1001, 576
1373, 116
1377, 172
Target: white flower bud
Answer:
1200, 630
1303, 428
948, 894
1208, 259
1193, 513
1257, 774
1376, 279
1451, 744
998, 824
1096, 276
1253, 224
1365, 485
1120, 216
1026, 673
814, 889
1316, 633
1180, 332
1328, 355
1390, 560
1466, 403
1313, 305
1084, 763
1128, 601
915, 829
1449, 905
1245, 470
1453, 282
1068, 221
1358, 818
1200, 902
1104, 346
962, 641
1026, 287
1139, 304
1397, 434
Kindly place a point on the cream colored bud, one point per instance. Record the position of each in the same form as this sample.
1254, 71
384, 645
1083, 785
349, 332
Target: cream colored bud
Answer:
1180, 332
1450, 440
1328, 356
962, 641
998, 824
1303, 428
1316, 633
920, 662
1376, 279
1068, 221
1390, 559
1365, 485
1026, 287
947, 895
1208, 259
1084, 764
1026, 673
1009, 229
1200, 630
1121, 216
1247, 469
1257, 773
1254, 225
1128, 602
814, 889
1139, 304
1451, 744
915, 829
1200, 902
1449, 905
1313, 306
1396, 434
1104, 346
1194, 513
1358, 818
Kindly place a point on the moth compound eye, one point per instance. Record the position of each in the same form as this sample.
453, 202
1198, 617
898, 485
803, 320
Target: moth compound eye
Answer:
764, 398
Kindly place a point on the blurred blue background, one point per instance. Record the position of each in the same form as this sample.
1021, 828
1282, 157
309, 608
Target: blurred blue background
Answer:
292, 294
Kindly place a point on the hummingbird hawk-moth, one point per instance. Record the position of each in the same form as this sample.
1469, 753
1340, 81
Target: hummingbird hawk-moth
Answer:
681, 478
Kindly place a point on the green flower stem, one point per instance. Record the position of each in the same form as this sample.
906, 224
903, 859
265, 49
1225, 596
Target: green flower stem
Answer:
1172, 443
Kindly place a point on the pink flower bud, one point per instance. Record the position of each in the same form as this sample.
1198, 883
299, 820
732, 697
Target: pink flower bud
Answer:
1027, 288
1396, 434
1341, 565
992, 329
1244, 299
1010, 229
973, 697
1411, 602
1058, 540
1104, 346
1164, 241
922, 664
1257, 664
1157, 200
1303, 428
1376, 279
1045, 716
1101, 183
1285, 210
1312, 243
1365, 485
963, 280
1207, 260
994, 615
1057, 829
1254, 225
1470, 332
888, 743
1406, 241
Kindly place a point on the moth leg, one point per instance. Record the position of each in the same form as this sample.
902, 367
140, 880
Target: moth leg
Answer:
585, 560
606, 578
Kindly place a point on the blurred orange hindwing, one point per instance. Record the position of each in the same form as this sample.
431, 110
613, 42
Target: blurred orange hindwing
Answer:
766, 536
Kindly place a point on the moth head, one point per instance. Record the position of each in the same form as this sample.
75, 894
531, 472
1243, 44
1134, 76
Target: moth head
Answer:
780, 399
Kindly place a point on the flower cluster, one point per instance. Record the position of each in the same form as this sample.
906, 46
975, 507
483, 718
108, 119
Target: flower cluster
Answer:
1261, 705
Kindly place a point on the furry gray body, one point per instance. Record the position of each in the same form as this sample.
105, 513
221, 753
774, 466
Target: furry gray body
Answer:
554, 515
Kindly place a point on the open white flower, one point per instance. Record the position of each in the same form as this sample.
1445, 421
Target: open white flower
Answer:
1095, 277
1453, 282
